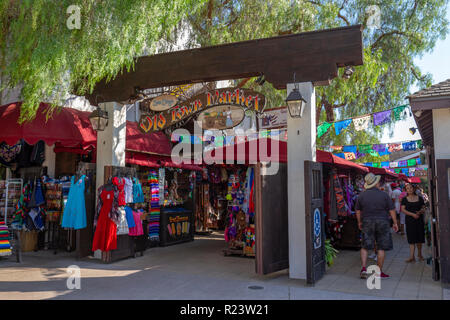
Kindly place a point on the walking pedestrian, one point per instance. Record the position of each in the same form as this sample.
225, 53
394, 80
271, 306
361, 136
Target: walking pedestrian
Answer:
413, 206
373, 208
396, 192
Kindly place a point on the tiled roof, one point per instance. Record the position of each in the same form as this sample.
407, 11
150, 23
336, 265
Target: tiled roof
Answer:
441, 89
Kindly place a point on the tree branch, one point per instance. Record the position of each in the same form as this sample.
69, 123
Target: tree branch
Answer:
419, 78
413, 10
391, 33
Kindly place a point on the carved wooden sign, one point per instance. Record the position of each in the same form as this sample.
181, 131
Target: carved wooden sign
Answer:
233, 97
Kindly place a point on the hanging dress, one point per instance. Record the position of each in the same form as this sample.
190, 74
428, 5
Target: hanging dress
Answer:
105, 236
128, 189
74, 215
138, 195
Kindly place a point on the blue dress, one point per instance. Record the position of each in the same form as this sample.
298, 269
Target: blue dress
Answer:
74, 215
138, 195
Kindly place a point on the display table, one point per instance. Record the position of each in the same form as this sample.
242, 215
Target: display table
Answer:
176, 225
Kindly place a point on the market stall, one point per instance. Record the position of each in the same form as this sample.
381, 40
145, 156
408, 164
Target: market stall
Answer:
343, 181
232, 191
35, 193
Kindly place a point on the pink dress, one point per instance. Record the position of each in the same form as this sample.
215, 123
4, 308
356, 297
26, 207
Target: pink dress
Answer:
137, 230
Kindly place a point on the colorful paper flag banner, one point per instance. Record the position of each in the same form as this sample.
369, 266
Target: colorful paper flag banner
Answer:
362, 122
377, 149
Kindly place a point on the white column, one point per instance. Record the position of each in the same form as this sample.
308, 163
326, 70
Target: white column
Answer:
301, 147
50, 160
111, 144
111, 141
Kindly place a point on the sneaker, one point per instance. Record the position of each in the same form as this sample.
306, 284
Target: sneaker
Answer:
384, 275
363, 273
373, 256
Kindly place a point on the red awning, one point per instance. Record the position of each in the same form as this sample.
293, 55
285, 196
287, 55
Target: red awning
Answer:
328, 157
251, 151
156, 142
148, 150
415, 180
404, 177
142, 159
151, 149
67, 127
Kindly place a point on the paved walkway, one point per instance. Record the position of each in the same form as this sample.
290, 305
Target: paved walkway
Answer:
198, 270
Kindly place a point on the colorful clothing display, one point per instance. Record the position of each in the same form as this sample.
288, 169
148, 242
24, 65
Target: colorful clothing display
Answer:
138, 195
9, 153
342, 208
153, 226
122, 227
120, 184
129, 217
128, 189
113, 213
74, 215
5, 246
137, 230
105, 236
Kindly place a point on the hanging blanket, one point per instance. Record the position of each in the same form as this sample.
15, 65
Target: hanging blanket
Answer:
342, 208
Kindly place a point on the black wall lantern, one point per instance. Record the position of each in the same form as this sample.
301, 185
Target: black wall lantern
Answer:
99, 119
296, 103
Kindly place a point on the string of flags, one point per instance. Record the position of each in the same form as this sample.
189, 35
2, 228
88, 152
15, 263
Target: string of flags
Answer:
410, 172
354, 152
394, 164
220, 140
362, 122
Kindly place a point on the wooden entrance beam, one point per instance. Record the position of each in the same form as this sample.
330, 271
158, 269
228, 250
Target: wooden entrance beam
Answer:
313, 56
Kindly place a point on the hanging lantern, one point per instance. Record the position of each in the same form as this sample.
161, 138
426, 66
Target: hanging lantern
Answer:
99, 119
296, 103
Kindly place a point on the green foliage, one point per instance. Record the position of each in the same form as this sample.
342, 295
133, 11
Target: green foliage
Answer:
330, 253
39, 51
408, 29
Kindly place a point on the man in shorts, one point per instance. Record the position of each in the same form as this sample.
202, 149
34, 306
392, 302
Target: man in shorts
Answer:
373, 208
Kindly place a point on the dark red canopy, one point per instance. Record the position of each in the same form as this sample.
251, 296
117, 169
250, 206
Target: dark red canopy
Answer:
66, 127
328, 157
404, 177
415, 180
150, 149
249, 151
155, 142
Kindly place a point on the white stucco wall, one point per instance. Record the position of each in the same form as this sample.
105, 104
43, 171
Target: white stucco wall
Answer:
441, 131
301, 147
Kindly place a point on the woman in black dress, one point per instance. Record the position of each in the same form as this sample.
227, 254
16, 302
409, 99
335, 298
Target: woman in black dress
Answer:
413, 207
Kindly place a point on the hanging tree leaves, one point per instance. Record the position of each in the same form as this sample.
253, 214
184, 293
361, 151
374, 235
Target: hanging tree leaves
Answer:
40, 53
407, 29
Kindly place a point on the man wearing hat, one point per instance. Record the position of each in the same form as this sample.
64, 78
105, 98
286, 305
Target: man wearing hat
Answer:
373, 208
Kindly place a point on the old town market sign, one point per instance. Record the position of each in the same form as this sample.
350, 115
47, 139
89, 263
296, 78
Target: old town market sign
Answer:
226, 97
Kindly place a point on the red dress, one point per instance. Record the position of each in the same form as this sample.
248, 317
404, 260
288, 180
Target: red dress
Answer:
120, 183
105, 237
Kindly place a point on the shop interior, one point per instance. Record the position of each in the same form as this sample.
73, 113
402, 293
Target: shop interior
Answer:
156, 207
226, 207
